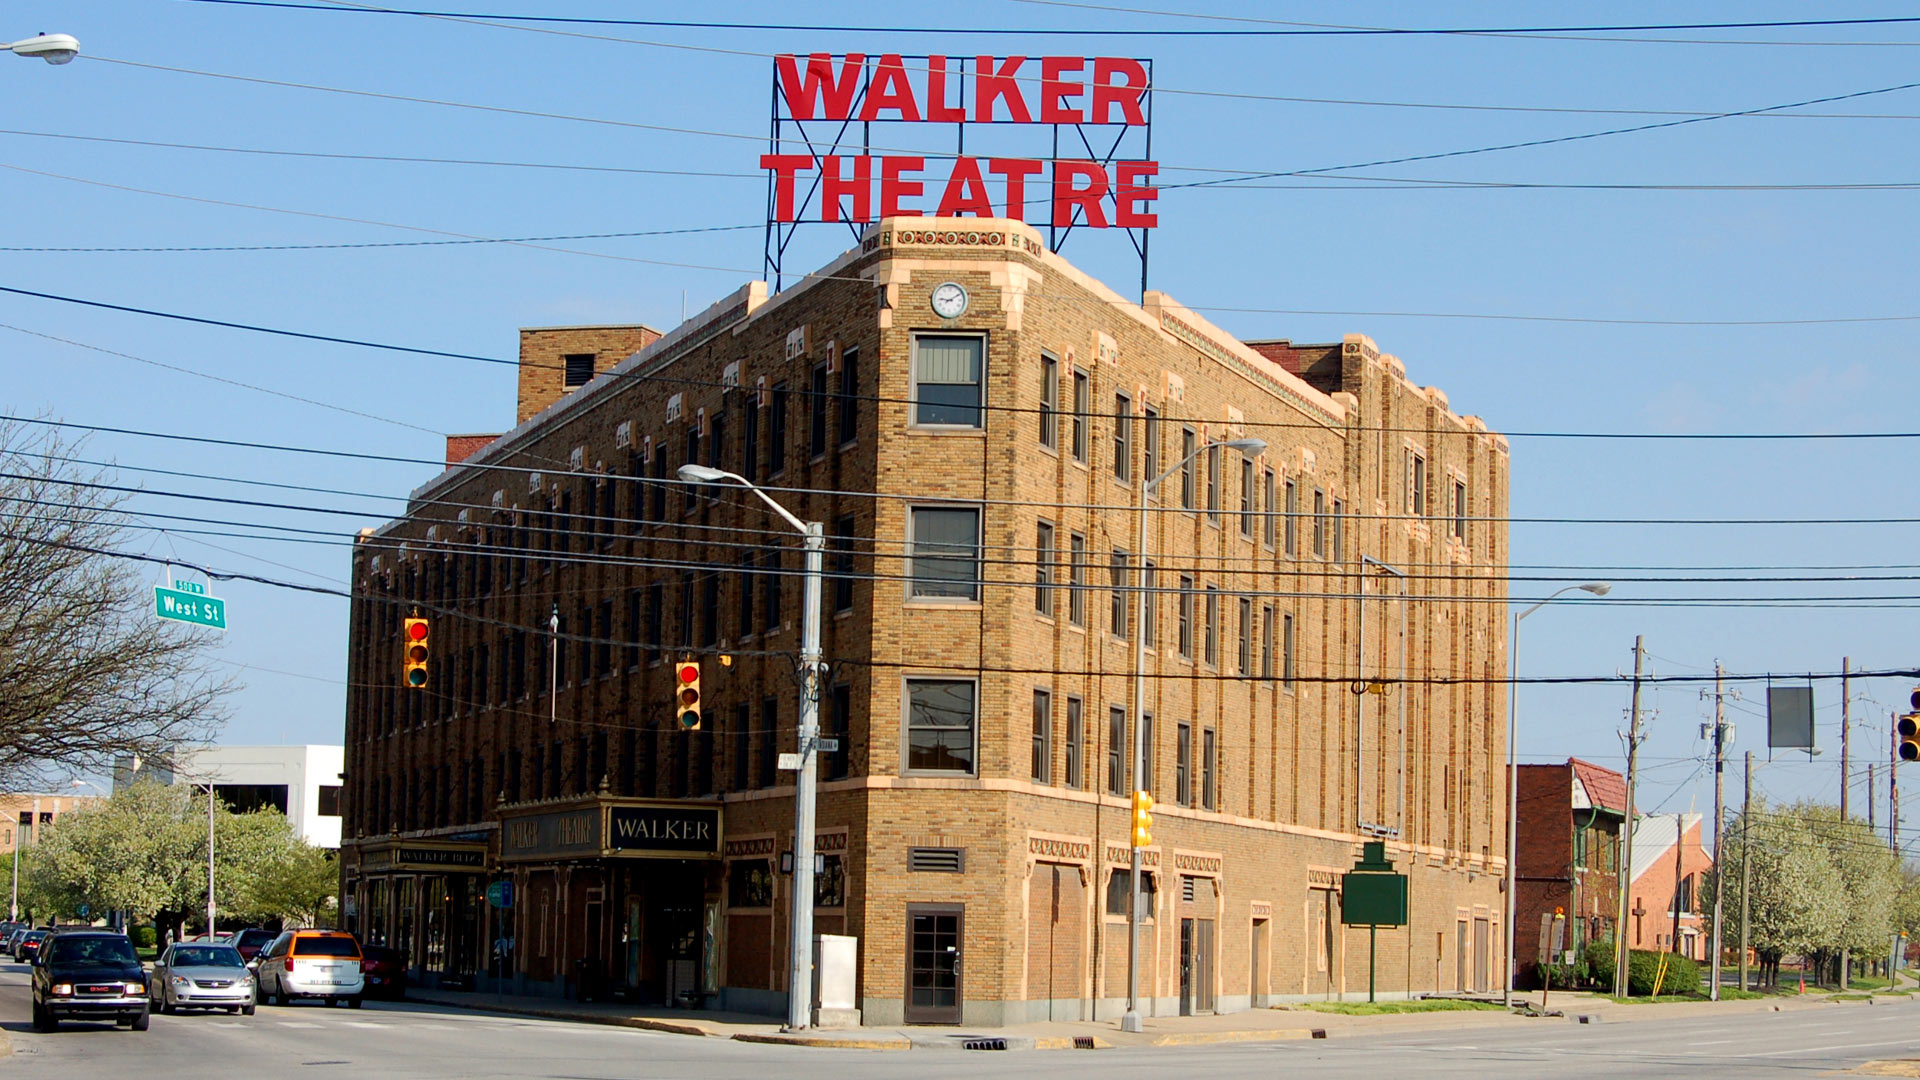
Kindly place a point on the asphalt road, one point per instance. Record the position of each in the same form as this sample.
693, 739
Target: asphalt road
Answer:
418, 1042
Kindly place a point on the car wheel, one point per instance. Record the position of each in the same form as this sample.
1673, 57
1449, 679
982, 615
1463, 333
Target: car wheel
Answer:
354, 1001
139, 1023
247, 1009
42, 1020
167, 1007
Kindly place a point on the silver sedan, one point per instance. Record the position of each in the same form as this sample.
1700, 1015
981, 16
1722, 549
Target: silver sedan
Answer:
195, 975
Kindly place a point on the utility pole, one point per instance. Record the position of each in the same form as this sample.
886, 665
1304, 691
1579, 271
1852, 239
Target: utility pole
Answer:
1846, 732
1893, 834
1716, 951
1622, 954
1746, 862
1679, 874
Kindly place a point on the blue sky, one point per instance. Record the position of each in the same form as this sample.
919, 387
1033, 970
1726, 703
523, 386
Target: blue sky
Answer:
1332, 245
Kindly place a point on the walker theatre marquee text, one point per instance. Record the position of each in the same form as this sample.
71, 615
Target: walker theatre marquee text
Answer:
1049, 90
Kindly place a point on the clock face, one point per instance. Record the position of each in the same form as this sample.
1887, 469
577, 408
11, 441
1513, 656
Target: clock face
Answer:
949, 300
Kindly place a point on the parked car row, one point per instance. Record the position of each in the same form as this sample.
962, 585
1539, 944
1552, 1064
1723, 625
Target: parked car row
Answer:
24, 942
89, 974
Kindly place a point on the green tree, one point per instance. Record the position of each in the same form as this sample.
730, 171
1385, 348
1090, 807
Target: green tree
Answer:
298, 883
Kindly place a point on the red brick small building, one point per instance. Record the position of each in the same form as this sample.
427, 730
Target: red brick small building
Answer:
1664, 904
1569, 857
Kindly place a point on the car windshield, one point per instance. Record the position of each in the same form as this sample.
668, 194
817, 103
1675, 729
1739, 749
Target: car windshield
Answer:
91, 950
325, 946
207, 956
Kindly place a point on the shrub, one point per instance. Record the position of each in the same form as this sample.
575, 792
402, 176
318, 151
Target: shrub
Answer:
1643, 967
143, 937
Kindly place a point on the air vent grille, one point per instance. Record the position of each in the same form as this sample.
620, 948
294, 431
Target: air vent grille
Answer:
941, 860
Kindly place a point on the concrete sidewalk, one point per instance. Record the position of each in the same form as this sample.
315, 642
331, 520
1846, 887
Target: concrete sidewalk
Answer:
1257, 1025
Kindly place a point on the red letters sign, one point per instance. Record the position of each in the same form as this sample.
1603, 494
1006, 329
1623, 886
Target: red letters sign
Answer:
818, 176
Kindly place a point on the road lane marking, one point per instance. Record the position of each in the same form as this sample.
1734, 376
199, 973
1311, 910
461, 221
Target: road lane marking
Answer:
298, 1024
1836, 1046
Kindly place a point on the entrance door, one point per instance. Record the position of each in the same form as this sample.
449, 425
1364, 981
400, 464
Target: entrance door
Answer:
1460, 956
1199, 973
1480, 945
933, 964
1186, 967
630, 940
1258, 982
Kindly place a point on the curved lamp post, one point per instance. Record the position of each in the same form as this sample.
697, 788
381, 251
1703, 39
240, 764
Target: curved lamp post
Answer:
800, 937
1131, 1020
53, 48
1597, 588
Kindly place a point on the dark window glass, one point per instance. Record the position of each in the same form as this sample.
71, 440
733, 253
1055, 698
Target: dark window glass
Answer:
817, 412
1116, 750
833, 763
1081, 389
947, 380
945, 553
849, 395
1076, 744
1049, 402
842, 544
940, 720
1042, 737
777, 430
770, 582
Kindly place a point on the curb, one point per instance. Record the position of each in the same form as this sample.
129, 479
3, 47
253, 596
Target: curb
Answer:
897, 1042
641, 1022
1199, 1038
6, 1043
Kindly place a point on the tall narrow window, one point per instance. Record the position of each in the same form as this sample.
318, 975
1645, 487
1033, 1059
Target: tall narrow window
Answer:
1247, 511
1043, 569
750, 449
659, 488
1183, 764
1246, 636
693, 491
1122, 437
769, 741
946, 380
1209, 753
1213, 483
770, 583
1460, 510
1271, 512
843, 563
1118, 569
1416, 484
1080, 406
1150, 449
1077, 579
744, 627
834, 763
1188, 444
686, 609
1186, 616
656, 618
849, 395
1266, 641
1049, 402
1211, 632
710, 609
944, 552
777, 429
1076, 744
1339, 530
1116, 751
1149, 606
717, 440
1147, 752
817, 412
1042, 737
1320, 523
636, 604
742, 747
1291, 505
1286, 651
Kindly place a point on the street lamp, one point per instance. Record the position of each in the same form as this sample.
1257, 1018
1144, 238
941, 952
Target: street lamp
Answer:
53, 48
1597, 588
1131, 1020
800, 943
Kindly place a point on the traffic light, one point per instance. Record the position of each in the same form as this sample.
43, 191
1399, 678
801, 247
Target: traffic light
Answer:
1908, 728
1142, 819
686, 694
414, 646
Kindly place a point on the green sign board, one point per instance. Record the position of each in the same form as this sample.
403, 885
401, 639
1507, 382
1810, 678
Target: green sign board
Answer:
189, 603
1371, 894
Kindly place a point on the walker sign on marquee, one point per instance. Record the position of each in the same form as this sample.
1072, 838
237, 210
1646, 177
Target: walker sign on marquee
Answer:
835, 153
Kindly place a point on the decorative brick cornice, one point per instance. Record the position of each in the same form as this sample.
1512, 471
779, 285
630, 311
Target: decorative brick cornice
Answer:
1121, 855
1058, 848
1199, 862
758, 845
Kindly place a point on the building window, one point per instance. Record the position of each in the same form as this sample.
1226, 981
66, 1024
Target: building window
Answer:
1186, 616
1150, 449
1188, 444
656, 618
1076, 744
1043, 569
659, 493
636, 636
686, 610
1116, 750
1416, 484
1460, 510
1183, 764
1042, 737
1266, 641
716, 441
1213, 483
1122, 437
1080, 407
849, 395
1291, 506
943, 552
1339, 530
843, 564
693, 458
1209, 792
1247, 506
1144, 775
817, 413
770, 590
840, 727
1320, 523
946, 381
1149, 606
709, 610
1077, 579
940, 714
769, 741
744, 627
1049, 402
1120, 894
777, 430
579, 369
1271, 511
1118, 570
750, 448
1211, 633
1286, 651
1246, 636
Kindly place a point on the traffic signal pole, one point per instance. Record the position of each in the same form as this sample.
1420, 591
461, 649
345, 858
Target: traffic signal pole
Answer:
800, 958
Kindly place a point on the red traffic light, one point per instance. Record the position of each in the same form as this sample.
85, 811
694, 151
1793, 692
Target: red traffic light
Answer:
416, 629
689, 673
413, 632
686, 696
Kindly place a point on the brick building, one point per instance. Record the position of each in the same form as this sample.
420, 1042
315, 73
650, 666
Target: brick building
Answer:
1323, 626
1569, 856
1669, 867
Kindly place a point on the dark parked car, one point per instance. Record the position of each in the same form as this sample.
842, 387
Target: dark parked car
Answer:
88, 975
250, 941
29, 946
385, 971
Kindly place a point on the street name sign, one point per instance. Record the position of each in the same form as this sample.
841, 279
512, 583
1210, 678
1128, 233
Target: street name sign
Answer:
188, 602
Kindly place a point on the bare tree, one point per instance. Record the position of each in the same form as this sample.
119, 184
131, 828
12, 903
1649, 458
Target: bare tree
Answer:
89, 673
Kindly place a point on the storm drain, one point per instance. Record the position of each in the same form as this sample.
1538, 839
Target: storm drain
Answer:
1084, 1042
984, 1044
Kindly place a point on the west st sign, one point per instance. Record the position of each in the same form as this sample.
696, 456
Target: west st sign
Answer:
1068, 90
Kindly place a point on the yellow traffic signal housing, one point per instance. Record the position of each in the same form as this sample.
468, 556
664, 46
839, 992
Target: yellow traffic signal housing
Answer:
414, 652
1908, 729
1142, 819
686, 695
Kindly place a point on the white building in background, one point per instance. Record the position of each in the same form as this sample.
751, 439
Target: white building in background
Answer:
302, 782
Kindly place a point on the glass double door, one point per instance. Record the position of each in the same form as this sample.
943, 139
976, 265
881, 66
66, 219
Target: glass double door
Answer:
934, 935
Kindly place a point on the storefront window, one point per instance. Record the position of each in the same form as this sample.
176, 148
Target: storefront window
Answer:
750, 883
830, 885
402, 937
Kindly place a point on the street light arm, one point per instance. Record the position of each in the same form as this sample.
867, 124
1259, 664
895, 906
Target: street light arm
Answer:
700, 474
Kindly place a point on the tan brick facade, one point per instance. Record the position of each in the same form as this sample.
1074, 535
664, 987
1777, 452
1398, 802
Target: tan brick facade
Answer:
1346, 684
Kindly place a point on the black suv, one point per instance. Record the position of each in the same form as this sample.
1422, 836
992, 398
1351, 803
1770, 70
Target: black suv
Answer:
88, 975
